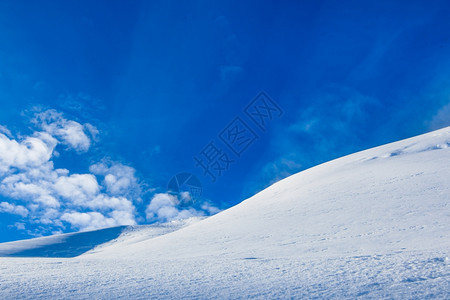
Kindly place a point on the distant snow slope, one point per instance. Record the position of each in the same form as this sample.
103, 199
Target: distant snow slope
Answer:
61, 245
74, 244
374, 224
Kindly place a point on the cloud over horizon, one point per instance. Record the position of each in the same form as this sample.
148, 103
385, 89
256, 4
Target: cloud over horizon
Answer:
41, 194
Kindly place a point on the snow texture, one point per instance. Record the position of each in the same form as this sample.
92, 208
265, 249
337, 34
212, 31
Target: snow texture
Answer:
371, 225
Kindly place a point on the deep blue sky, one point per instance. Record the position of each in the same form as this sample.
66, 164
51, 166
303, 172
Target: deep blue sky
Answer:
161, 79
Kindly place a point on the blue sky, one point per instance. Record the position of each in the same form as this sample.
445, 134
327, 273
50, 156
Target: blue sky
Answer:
103, 102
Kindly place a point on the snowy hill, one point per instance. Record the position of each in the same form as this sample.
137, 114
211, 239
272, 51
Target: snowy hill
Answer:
74, 244
62, 245
373, 224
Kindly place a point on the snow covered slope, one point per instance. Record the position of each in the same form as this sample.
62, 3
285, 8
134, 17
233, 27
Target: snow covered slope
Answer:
61, 245
390, 198
74, 244
374, 224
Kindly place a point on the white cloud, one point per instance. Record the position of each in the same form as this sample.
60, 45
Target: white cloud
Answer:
160, 206
5, 131
19, 226
94, 220
123, 217
185, 198
68, 132
105, 202
164, 207
211, 210
118, 179
17, 189
42, 194
93, 131
54, 198
88, 220
78, 188
13, 209
50, 216
31, 152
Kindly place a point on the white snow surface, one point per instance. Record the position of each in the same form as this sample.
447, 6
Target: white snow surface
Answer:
74, 244
371, 225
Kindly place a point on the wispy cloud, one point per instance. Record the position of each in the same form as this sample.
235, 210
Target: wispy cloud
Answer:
442, 118
13, 209
68, 132
336, 113
280, 168
330, 126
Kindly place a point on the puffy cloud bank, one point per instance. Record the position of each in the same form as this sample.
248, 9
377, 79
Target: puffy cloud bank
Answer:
47, 195
165, 207
55, 199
